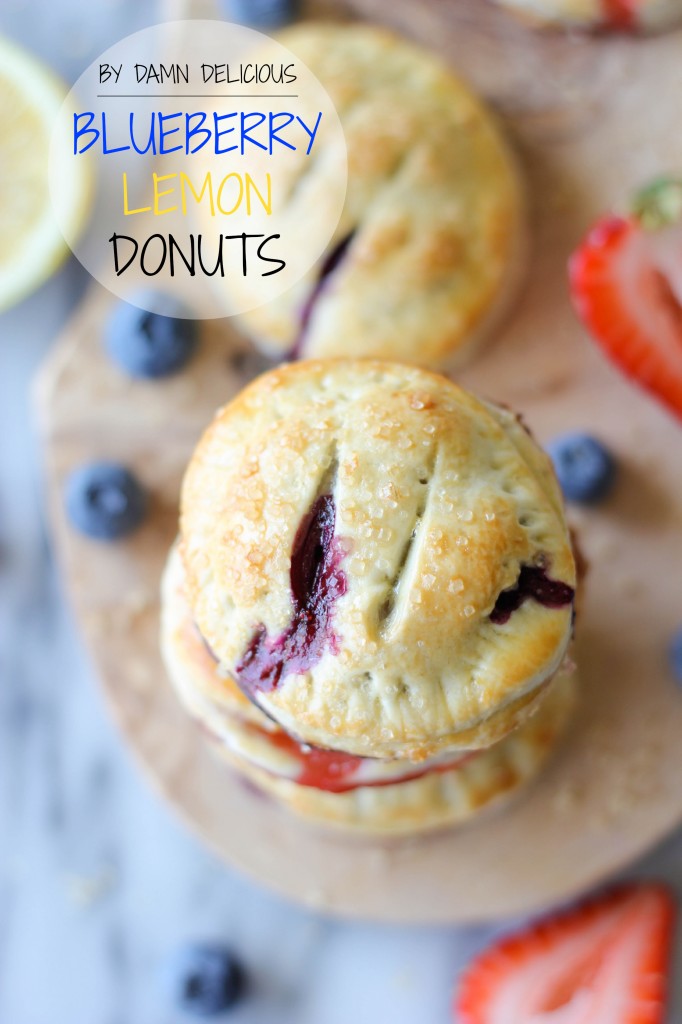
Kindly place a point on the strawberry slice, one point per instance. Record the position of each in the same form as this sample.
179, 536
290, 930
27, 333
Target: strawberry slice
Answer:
620, 13
604, 962
626, 285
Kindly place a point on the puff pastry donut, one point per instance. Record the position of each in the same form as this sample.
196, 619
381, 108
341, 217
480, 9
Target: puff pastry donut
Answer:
379, 559
363, 794
430, 247
643, 15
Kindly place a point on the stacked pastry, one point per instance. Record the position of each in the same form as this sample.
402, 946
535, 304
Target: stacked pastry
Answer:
370, 604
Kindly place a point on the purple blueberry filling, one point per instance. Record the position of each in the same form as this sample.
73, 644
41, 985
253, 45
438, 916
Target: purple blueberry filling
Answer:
330, 263
533, 584
316, 583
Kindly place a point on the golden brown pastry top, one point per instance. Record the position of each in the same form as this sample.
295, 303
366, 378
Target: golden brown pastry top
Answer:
347, 530
433, 226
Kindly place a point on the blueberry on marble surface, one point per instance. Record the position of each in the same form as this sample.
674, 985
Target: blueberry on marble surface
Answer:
104, 500
150, 336
675, 653
585, 468
204, 980
261, 13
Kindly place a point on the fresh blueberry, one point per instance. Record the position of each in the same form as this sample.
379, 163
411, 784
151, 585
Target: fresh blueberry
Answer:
205, 980
585, 468
676, 655
104, 500
150, 336
261, 13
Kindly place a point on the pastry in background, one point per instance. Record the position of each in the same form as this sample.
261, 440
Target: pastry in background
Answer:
430, 247
631, 15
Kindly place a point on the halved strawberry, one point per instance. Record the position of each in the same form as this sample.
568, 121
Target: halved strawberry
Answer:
620, 13
626, 285
604, 962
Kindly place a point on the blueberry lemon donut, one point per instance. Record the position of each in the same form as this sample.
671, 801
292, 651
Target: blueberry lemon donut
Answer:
430, 245
367, 795
378, 559
639, 15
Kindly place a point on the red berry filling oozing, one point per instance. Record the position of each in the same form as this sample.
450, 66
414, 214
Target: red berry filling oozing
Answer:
336, 772
533, 584
320, 769
333, 770
316, 583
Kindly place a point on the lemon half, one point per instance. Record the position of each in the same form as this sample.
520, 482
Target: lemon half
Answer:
31, 243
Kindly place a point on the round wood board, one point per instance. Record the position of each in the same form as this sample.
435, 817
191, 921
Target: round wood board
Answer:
592, 119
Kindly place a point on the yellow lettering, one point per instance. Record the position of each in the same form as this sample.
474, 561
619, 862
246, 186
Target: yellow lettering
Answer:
236, 206
250, 184
164, 192
126, 211
208, 184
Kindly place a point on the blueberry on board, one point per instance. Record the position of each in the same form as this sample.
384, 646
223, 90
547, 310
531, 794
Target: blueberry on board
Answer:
150, 336
675, 653
204, 980
104, 500
585, 468
261, 13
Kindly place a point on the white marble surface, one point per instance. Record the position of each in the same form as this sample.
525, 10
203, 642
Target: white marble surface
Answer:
97, 880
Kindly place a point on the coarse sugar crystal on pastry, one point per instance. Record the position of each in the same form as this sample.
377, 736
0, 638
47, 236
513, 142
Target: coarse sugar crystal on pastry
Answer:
363, 794
430, 247
378, 558
639, 15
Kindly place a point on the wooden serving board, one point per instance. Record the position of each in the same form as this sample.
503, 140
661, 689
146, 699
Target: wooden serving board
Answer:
592, 119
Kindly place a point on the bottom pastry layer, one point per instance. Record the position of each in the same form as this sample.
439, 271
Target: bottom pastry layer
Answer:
438, 798
361, 794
